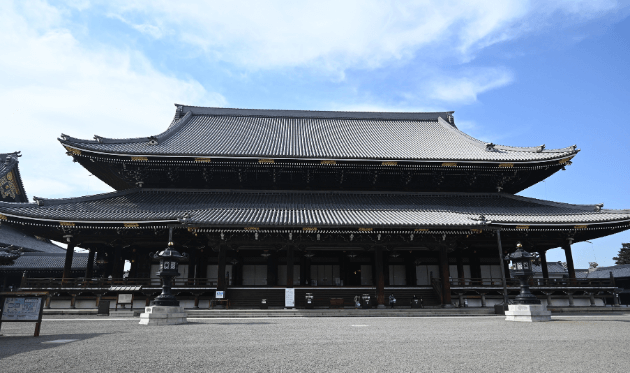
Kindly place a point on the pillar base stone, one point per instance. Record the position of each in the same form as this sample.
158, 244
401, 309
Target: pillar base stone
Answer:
527, 313
163, 315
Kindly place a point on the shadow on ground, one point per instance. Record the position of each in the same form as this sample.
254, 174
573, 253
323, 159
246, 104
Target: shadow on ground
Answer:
17, 344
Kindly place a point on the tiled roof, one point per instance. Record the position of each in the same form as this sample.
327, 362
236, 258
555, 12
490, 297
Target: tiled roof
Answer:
303, 209
622, 270
46, 261
11, 187
292, 134
552, 267
12, 236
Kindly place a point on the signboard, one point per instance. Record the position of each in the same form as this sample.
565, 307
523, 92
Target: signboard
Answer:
289, 297
219, 295
22, 309
125, 298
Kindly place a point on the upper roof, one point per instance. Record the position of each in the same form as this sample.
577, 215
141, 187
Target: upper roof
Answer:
334, 135
11, 236
11, 187
280, 209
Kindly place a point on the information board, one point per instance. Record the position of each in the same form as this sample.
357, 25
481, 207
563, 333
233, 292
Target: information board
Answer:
125, 298
219, 295
22, 309
289, 297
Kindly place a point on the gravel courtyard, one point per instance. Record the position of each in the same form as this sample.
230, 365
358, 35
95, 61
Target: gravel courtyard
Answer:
466, 344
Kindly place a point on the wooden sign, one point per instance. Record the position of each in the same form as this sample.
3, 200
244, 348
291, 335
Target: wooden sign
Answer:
22, 307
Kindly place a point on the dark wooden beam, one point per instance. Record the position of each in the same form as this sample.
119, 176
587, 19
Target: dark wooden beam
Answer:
67, 267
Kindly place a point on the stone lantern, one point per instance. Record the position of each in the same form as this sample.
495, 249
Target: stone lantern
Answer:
166, 309
169, 266
523, 262
526, 306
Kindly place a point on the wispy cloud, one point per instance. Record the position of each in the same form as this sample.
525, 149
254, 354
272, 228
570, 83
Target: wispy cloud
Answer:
464, 87
334, 36
53, 83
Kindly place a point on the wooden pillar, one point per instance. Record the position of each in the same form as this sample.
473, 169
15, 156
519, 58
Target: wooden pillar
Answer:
569, 256
67, 267
444, 275
475, 266
410, 270
119, 263
344, 264
109, 266
460, 270
192, 266
135, 265
305, 271
221, 270
380, 278
290, 266
89, 269
506, 268
202, 268
272, 269
386, 269
543, 264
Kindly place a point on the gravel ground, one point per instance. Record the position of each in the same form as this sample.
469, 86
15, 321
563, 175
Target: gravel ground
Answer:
466, 344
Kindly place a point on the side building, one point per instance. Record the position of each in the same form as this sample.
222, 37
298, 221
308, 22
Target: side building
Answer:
37, 257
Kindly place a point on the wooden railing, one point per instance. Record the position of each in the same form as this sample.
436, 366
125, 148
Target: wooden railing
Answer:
537, 282
101, 283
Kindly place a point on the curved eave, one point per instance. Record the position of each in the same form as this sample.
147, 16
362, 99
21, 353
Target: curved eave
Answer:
76, 150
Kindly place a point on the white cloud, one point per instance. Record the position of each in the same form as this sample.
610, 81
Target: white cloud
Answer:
465, 87
52, 83
334, 35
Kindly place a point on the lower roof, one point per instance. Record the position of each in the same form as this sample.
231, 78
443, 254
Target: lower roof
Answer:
46, 262
11, 236
227, 208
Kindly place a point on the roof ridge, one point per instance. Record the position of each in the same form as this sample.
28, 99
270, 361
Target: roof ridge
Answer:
94, 197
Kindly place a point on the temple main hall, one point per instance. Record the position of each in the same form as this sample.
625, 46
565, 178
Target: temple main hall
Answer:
332, 204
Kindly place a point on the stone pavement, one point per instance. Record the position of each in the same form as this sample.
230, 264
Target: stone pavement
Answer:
374, 344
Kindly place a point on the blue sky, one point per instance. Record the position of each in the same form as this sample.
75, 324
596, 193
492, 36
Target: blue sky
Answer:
521, 73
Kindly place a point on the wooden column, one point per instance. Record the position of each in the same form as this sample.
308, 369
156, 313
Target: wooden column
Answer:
380, 278
543, 263
67, 267
192, 266
460, 270
386, 268
290, 266
119, 263
272, 269
569, 256
89, 269
444, 275
221, 270
202, 268
410, 270
305, 271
